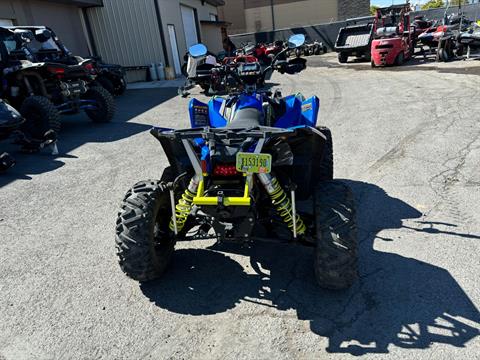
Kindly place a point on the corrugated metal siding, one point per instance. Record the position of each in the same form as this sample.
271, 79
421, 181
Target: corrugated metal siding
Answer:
126, 32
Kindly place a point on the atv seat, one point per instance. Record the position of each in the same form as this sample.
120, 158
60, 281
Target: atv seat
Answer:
246, 118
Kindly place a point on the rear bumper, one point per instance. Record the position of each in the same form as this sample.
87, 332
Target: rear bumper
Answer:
384, 57
385, 52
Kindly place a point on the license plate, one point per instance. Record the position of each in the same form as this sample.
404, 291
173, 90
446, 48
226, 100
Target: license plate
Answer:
254, 163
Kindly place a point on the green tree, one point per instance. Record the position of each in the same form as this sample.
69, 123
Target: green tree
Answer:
373, 9
433, 4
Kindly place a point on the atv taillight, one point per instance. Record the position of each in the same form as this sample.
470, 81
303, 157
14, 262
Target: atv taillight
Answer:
225, 170
60, 72
90, 68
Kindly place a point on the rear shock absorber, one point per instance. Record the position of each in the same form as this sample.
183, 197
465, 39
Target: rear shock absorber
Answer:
182, 209
282, 203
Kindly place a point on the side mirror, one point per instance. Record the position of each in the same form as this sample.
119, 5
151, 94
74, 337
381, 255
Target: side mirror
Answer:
197, 51
296, 41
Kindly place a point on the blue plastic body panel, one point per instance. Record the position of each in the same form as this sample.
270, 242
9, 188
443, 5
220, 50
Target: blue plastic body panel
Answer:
299, 112
310, 109
198, 113
249, 101
292, 116
214, 106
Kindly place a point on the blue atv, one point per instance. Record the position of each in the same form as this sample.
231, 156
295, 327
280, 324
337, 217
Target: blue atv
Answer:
253, 167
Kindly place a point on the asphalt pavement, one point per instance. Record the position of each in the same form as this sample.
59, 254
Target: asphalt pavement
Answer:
407, 140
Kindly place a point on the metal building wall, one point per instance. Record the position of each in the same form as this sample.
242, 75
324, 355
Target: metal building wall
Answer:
126, 32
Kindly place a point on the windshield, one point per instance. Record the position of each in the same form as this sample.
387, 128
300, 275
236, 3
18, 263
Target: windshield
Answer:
9, 41
36, 46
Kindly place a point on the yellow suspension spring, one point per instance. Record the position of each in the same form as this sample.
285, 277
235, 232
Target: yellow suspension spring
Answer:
182, 210
283, 205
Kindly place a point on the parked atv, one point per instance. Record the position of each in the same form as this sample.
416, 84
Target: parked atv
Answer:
41, 81
253, 167
10, 123
110, 76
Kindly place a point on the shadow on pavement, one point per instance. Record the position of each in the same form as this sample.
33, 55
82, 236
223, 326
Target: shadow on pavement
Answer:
78, 130
397, 301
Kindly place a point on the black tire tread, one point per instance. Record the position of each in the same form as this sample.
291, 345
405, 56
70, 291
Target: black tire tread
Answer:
106, 83
108, 101
134, 231
325, 170
336, 254
50, 117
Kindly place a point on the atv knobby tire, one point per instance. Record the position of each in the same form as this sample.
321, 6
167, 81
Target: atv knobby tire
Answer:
144, 242
105, 105
336, 263
122, 87
106, 83
324, 170
41, 116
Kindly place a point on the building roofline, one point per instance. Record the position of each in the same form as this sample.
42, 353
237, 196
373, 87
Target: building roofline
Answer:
215, 2
79, 3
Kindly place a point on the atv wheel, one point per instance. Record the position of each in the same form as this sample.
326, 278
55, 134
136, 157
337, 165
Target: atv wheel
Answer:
444, 55
104, 102
205, 88
342, 58
184, 70
6, 162
107, 84
324, 171
460, 51
122, 87
144, 242
41, 116
336, 262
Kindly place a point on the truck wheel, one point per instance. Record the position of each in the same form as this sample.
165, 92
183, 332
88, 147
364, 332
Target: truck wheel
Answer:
41, 116
104, 102
342, 58
106, 84
336, 259
144, 242
325, 170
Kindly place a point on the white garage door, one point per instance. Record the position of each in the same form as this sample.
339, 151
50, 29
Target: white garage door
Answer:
6, 22
189, 25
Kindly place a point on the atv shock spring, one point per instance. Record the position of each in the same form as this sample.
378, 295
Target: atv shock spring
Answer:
184, 207
283, 204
